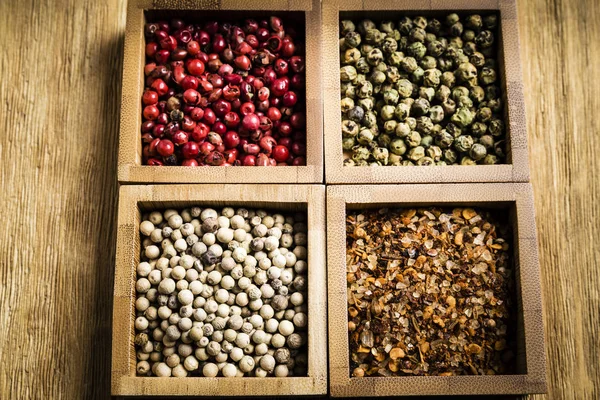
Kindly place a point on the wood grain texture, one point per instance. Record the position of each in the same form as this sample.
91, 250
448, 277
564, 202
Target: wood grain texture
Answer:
60, 95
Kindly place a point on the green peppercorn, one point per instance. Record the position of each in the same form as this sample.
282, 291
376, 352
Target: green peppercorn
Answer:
420, 107
449, 106
395, 58
397, 146
352, 39
487, 76
490, 159
431, 77
413, 139
468, 35
426, 141
424, 125
387, 112
478, 129
349, 128
395, 159
456, 29
381, 154
405, 25
377, 77
374, 57
445, 64
346, 104
355, 114
348, 162
366, 104
417, 34
434, 26
442, 93
467, 161
485, 39
496, 127
451, 19
374, 37
463, 143
490, 21
409, 64
404, 87
351, 56
417, 75
450, 156
435, 48
370, 120
444, 139
402, 130
362, 65
426, 93
346, 26
348, 89
360, 153
391, 97
348, 73
484, 114
487, 141
366, 25
389, 46
348, 143
434, 152
365, 89
495, 105
463, 117
386, 26
492, 92
436, 113
465, 72
465, 101
429, 37
416, 153
417, 50
392, 75
360, 78
477, 93
365, 136
390, 126
469, 47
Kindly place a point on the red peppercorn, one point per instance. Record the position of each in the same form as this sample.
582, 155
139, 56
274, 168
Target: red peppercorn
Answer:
290, 99
242, 62
189, 162
249, 161
160, 87
219, 127
281, 153
150, 97
154, 162
193, 47
231, 140
200, 132
221, 107
251, 122
231, 156
298, 121
165, 148
180, 137
279, 87
197, 113
191, 96
209, 116
273, 114
151, 49
247, 108
280, 67
190, 150
231, 120
151, 112
287, 48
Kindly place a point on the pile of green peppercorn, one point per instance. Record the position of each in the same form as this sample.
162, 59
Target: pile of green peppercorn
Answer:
421, 92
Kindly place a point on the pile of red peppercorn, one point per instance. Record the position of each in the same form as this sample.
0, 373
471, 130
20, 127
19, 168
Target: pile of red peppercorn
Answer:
219, 93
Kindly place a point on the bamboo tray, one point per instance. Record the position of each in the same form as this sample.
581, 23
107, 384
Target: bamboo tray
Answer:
137, 199
531, 361
517, 169
130, 168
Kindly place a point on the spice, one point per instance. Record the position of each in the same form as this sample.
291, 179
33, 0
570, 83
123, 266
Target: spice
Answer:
430, 293
215, 90
441, 74
222, 305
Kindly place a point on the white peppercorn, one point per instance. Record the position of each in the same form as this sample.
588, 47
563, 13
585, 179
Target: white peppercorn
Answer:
229, 370
146, 228
246, 364
162, 370
267, 362
286, 328
278, 340
260, 373
236, 355
210, 370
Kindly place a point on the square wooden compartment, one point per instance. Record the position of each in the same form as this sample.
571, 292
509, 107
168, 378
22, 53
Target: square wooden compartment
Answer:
531, 362
130, 168
517, 167
134, 200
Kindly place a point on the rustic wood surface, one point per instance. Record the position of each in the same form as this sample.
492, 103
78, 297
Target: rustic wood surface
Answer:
60, 90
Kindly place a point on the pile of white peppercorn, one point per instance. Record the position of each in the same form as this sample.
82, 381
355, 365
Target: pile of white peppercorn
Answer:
222, 295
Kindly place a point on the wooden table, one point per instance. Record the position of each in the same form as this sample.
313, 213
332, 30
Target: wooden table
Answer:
59, 113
